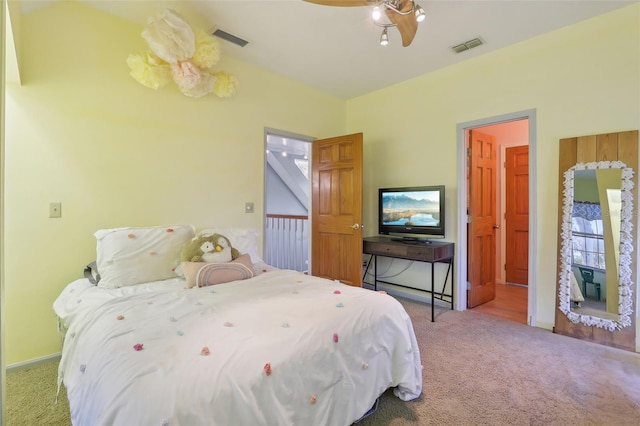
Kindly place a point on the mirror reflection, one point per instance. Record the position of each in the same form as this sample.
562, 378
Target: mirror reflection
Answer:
596, 243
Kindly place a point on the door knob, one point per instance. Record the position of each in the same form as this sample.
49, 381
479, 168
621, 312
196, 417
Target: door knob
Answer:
354, 226
496, 226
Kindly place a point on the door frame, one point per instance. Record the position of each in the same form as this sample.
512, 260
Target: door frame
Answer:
290, 135
461, 247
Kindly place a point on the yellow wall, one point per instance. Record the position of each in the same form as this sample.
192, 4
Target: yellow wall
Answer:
81, 131
3, 5
581, 80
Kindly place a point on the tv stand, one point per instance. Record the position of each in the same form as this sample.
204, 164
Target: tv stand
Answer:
433, 252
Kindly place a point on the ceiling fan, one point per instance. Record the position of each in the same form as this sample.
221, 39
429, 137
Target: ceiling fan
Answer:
403, 14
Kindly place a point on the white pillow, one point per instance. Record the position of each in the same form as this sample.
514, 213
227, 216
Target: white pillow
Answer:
245, 240
128, 256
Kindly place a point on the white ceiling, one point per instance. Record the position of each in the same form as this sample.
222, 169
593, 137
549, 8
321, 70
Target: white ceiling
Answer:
337, 50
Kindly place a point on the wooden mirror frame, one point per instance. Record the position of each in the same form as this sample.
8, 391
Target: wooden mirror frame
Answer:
611, 147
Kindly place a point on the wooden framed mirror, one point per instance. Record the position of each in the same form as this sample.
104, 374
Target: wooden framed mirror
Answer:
597, 225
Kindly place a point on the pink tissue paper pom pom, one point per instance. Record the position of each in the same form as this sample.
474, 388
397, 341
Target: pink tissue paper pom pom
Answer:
203, 87
335, 337
185, 74
138, 346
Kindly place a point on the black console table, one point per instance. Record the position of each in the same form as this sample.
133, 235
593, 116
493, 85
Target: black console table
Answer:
431, 252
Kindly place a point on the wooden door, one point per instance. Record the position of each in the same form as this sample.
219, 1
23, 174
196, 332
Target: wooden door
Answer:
517, 214
482, 212
336, 209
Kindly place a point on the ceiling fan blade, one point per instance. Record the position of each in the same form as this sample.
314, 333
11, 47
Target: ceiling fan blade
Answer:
407, 24
343, 2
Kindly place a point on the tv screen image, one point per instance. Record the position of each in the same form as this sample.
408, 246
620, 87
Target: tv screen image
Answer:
420, 208
412, 210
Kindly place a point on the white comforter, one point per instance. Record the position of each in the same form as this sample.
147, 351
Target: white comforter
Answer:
332, 350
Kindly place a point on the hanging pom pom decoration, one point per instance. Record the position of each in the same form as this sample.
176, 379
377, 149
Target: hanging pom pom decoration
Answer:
170, 37
181, 55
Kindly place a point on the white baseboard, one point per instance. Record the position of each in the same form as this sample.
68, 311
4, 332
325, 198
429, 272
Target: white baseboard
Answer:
33, 362
415, 295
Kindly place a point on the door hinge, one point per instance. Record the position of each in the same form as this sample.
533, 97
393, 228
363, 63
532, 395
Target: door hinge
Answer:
468, 218
468, 152
468, 285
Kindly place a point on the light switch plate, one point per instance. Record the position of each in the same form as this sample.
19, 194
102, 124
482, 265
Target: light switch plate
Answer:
55, 210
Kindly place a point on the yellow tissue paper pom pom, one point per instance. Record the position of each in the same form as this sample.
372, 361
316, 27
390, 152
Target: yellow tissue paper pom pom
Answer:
225, 85
207, 50
149, 70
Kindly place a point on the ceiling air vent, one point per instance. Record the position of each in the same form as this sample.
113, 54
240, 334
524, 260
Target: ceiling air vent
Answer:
467, 45
230, 38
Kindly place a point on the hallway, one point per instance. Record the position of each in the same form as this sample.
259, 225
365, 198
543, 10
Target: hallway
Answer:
510, 303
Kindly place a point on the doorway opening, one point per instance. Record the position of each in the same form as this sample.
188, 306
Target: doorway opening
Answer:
287, 202
506, 278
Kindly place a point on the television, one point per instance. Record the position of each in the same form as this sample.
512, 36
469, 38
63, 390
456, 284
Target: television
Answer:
412, 214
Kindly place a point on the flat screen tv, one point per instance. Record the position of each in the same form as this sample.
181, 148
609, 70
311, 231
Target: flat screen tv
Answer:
413, 213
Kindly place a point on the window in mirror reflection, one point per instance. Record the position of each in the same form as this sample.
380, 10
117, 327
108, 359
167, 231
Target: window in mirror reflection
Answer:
588, 235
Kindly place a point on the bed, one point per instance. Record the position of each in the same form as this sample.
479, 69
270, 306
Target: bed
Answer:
278, 348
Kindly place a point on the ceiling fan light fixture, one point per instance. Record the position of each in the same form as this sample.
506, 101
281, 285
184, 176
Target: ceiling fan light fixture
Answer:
420, 15
384, 38
376, 14
404, 15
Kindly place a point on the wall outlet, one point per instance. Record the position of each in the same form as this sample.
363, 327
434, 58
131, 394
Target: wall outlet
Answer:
55, 210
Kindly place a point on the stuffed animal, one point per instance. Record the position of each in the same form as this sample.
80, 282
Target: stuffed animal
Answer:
209, 248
